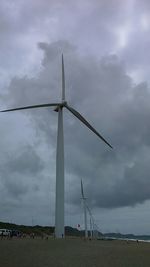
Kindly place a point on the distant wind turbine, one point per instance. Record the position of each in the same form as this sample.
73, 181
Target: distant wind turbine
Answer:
59, 209
87, 209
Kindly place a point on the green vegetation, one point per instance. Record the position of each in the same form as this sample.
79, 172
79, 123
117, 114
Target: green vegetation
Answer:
39, 230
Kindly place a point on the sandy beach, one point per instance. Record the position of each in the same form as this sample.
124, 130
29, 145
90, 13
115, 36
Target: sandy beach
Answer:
73, 253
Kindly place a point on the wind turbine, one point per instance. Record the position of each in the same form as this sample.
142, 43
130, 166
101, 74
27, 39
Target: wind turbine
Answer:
59, 208
86, 208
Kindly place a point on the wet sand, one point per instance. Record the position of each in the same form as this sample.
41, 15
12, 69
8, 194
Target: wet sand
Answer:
73, 253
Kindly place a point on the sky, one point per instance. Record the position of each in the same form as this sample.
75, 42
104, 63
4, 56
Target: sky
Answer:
106, 53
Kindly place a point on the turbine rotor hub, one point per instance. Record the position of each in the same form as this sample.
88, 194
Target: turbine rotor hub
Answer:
61, 105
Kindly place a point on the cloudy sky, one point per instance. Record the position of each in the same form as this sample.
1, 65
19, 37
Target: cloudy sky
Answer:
106, 50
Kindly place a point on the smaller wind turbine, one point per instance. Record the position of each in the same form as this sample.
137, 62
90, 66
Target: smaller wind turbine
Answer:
85, 210
93, 227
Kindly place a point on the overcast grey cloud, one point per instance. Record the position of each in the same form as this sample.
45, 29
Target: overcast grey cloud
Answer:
105, 46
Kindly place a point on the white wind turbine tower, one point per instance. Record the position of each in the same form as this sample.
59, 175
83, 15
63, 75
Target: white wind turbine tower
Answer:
91, 221
85, 210
59, 211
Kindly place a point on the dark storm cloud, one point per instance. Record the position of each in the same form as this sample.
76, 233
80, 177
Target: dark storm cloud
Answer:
19, 169
26, 161
104, 93
51, 51
132, 188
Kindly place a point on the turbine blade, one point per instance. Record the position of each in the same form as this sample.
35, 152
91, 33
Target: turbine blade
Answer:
81, 118
63, 79
29, 107
82, 193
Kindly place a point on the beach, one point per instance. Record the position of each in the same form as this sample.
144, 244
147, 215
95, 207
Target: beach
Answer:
73, 252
